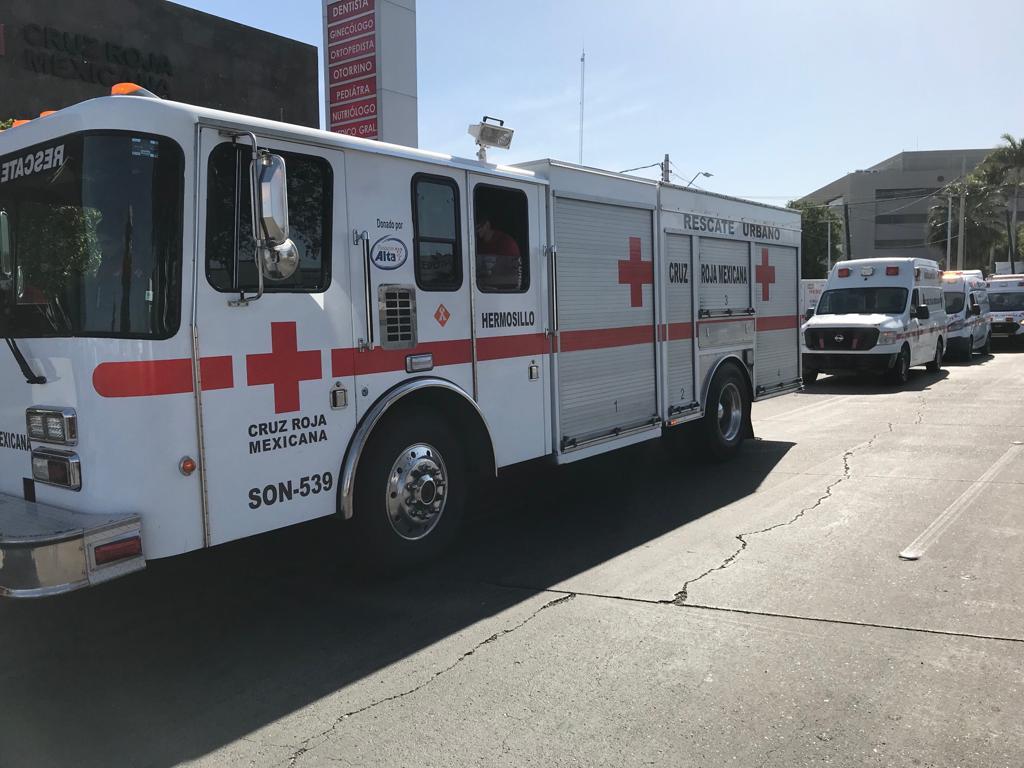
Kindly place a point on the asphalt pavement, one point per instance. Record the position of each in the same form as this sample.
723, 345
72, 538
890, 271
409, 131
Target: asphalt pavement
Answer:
639, 608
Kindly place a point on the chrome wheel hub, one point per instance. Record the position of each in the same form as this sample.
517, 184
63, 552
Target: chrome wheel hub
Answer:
416, 492
730, 411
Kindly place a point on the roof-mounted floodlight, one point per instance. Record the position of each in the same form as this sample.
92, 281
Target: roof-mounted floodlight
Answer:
490, 134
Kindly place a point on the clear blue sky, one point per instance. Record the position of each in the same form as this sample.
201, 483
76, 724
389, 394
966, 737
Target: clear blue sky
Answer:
775, 97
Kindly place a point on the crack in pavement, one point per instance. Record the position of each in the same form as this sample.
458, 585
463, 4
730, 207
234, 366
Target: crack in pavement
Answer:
743, 538
307, 744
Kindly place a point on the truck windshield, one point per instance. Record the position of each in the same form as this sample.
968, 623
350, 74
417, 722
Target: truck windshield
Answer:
1007, 302
954, 303
92, 237
862, 301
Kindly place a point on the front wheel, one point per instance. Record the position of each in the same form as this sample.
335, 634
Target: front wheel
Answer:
900, 371
410, 491
935, 364
987, 349
726, 413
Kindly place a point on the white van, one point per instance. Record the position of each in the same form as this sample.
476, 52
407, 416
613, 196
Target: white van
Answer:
1006, 299
967, 313
880, 315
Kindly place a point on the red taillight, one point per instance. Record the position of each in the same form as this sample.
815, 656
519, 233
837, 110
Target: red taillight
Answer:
843, 272
892, 270
118, 550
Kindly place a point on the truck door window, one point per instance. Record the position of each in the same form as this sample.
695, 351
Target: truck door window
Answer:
437, 246
501, 221
230, 248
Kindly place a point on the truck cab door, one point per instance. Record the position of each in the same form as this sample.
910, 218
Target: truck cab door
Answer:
276, 412
507, 268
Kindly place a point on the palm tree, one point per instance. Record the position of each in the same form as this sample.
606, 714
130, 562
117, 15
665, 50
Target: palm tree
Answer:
984, 215
1004, 170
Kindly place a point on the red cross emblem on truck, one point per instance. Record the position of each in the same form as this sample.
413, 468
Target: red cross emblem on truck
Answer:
284, 367
764, 274
636, 273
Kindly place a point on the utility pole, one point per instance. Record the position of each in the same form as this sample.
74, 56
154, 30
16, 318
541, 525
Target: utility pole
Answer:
962, 235
847, 250
665, 170
949, 231
828, 240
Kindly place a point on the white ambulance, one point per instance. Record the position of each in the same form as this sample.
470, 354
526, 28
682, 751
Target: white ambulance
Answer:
882, 315
403, 320
1006, 302
967, 313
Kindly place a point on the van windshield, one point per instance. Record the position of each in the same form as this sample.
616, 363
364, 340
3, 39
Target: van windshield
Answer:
862, 301
954, 303
92, 237
1007, 302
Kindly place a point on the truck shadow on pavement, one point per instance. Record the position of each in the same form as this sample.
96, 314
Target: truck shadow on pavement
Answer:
873, 384
201, 650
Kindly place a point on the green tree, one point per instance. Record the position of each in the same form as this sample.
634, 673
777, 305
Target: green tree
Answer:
984, 221
815, 221
1003, 170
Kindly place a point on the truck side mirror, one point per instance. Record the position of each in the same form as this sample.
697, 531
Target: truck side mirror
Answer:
273, 198
809, 313
278, 258
923, 313
976, 309
6, 249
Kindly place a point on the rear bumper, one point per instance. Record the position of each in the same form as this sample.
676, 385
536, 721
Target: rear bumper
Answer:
47, 550
837, 362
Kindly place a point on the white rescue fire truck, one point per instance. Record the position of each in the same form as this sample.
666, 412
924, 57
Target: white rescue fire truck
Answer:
1006, 300
967, 313
882, 315
402, 320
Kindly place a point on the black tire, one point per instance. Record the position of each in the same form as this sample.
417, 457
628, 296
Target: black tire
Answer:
723, 428
900, 371
987, 349
809, 377
935, 364
969, 354
408, 444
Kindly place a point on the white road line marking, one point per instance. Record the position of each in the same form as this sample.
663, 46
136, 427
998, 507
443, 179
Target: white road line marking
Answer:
931, 534
803, 408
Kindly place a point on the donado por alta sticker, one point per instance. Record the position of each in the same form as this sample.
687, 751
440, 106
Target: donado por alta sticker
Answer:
389, 253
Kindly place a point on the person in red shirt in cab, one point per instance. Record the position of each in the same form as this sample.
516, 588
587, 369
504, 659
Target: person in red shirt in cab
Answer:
498, 260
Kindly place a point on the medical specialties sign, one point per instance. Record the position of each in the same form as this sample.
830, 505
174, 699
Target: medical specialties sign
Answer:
367, 44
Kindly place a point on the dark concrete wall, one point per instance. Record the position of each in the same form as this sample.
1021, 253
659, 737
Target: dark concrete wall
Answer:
54, 53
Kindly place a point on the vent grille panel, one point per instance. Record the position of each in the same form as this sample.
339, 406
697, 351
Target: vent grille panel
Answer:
397, 305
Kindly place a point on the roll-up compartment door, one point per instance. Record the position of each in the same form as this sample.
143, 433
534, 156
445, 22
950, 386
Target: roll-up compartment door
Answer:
606, 357
724, 294
776, 297
679, 311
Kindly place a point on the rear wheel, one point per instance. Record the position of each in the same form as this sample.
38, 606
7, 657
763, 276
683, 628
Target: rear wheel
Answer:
935, 365
410, 491
726, 413
810, 376
900, 371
